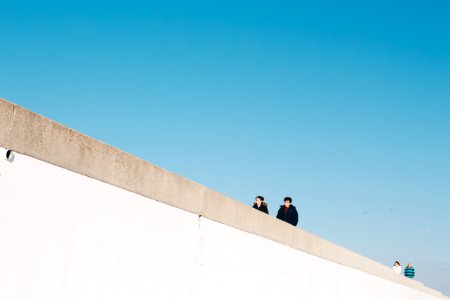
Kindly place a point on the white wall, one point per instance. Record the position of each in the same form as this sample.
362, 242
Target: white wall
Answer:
67, 236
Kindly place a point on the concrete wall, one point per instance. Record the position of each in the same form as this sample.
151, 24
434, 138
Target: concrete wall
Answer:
82, 220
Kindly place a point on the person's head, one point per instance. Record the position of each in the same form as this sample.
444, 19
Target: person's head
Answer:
409, 265
259, 200
397, 263
287, 201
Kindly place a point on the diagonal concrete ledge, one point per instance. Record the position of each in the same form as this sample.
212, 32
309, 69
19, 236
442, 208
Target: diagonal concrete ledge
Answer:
28, 133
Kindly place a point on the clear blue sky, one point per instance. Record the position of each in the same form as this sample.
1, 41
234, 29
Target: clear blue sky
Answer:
342, 105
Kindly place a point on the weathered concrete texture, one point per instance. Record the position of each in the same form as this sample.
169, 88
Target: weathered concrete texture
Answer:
33, 135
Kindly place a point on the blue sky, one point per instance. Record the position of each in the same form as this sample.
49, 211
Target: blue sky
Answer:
342, 105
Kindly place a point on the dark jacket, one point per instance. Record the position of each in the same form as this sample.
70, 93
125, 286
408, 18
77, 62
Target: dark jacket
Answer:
262, 208
290, 216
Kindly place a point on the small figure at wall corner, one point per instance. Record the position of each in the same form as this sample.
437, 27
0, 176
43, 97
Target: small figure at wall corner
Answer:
397, 267
409, 271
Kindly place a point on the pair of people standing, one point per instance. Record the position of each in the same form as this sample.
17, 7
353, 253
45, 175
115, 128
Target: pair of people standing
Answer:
287, 212
408, 272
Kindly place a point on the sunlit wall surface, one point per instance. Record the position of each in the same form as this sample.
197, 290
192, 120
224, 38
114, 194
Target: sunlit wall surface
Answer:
67, 236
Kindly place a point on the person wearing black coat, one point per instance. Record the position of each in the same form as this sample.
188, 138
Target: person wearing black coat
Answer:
260, 204
288, 212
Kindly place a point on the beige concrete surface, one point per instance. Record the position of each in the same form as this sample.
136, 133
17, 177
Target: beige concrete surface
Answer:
30, 134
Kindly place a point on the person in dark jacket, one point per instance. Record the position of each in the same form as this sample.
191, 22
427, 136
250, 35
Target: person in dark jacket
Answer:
409, 271
288, 212
260, 204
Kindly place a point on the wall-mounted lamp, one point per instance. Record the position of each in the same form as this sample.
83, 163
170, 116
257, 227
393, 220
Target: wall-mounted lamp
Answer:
8, 154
